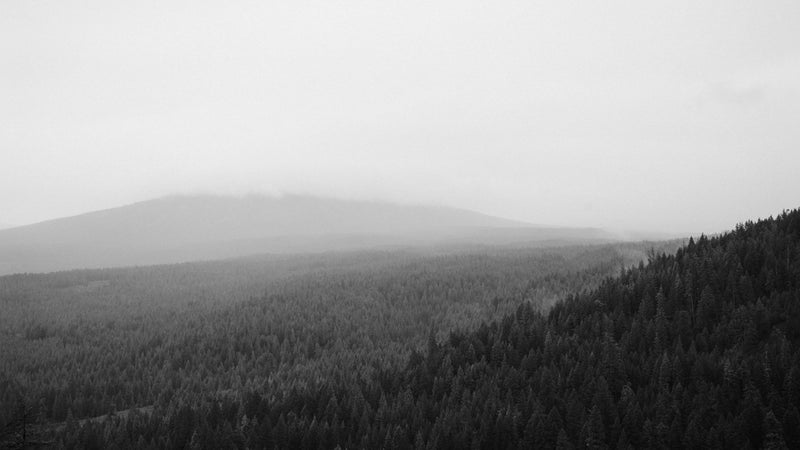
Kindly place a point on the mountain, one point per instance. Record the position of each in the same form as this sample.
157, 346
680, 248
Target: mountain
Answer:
183, 228
4, 226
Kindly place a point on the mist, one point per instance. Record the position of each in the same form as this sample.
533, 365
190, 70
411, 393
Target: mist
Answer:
662, 116
202, 227
399, 224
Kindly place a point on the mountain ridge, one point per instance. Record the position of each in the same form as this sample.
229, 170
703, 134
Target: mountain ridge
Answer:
196, 227
284, 214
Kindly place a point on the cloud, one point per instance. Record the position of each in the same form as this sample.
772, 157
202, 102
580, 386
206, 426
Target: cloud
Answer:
726, 94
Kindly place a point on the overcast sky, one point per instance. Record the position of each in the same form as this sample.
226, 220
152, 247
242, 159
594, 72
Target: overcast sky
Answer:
674, 115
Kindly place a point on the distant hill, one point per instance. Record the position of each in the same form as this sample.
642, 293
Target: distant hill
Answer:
3, 226
185, 228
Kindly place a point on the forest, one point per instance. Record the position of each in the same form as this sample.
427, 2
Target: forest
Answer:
687, 345
79, 347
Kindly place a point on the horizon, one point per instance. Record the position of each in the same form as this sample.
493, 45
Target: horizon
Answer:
659, 116
624, 234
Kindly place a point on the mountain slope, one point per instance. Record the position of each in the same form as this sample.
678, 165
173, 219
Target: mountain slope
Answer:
183, 228
697, 349
700, 349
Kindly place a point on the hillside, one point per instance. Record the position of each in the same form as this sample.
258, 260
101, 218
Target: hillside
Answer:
700, 349
82, 343
185, 228
696, 349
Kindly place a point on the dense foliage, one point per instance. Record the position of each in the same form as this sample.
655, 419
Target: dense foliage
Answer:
696, 349
143, 343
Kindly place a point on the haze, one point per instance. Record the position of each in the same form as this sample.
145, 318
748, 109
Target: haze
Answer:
677, 116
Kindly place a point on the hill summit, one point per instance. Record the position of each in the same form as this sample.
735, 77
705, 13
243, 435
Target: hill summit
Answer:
184, 228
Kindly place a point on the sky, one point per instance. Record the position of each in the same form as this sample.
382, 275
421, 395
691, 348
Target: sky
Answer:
676, 116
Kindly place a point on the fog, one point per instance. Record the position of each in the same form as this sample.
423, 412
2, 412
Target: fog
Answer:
675, 116
189, 228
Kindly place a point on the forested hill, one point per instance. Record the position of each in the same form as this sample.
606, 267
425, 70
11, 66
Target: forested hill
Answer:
694, 350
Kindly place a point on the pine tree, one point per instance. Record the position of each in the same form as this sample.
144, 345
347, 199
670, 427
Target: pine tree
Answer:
594, 434
791, 427
773, 437
563, 442
706, 308
195, 443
